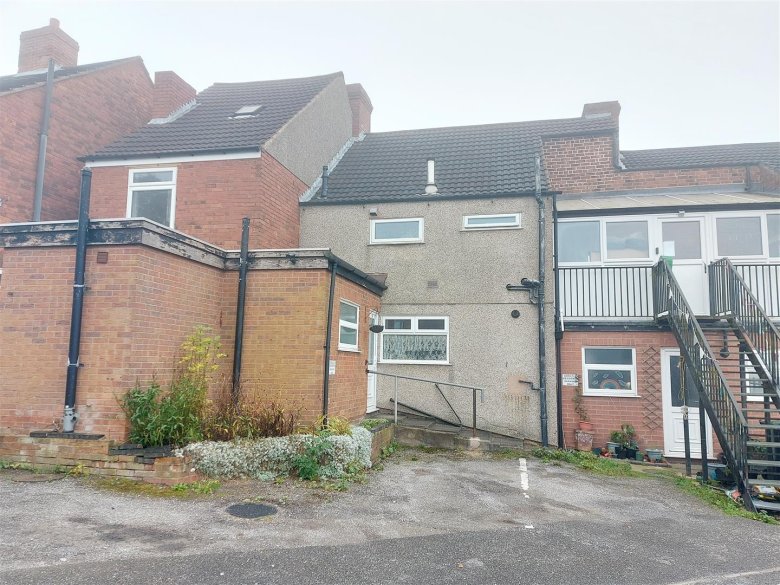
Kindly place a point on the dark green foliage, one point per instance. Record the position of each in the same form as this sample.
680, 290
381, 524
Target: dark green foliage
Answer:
307, 464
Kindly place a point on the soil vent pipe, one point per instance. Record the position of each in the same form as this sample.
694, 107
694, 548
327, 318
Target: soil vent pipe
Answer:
42, 143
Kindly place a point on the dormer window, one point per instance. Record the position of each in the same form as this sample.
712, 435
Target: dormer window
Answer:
246, 112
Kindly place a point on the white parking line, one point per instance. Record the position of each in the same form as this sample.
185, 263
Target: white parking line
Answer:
524, 476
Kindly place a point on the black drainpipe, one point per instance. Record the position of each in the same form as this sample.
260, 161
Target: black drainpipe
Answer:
540, 306
328, 328
558, 327
243, 264
42, 143
69, 418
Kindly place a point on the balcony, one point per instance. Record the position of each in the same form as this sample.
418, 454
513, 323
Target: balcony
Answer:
625, 293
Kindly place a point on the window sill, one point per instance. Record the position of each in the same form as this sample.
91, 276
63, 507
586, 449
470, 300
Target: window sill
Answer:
349, 349
611, 394
415, 363
491, 229
391, 243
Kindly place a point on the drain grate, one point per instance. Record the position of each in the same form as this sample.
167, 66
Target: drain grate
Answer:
251, 510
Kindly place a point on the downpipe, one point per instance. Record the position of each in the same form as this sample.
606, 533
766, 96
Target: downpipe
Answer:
43, 142
70, 416
238, 347
328, 329
540, 306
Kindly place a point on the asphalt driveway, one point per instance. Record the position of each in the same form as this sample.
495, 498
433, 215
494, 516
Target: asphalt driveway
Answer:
425, 518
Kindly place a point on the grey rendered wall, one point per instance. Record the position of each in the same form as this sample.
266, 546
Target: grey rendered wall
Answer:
316, 134
488, 347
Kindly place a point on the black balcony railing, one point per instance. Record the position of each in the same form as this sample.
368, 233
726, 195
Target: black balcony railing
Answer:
619, 292
763, 280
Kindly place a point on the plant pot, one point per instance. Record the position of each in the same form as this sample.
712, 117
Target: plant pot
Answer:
631, 453
611, 447
620, 452
586, 425
639, 456
655, 455
596, 451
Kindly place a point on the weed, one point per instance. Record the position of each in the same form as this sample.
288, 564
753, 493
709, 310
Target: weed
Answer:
331, 425
307, 465
173, 416
716, 497
587, 461
385, 452
205, 487
230, 418
508, 454
372, 423
78, 470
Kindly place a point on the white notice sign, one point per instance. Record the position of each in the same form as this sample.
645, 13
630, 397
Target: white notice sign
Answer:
332, 368
570, 379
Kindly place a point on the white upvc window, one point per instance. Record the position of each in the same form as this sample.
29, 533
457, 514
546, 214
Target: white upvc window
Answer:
739, 236
579, 241
415, 340
627, 239
501, 221
151, 194
349, 314
397, 231
609, 371
773, 230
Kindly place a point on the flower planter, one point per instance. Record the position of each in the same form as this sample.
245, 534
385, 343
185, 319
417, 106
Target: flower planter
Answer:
655, 455
586, 426
611, 447
631, 453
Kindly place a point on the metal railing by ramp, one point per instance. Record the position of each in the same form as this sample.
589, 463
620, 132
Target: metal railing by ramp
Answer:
437, 383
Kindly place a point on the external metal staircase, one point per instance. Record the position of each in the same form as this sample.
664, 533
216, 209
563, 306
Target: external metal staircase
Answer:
734, 358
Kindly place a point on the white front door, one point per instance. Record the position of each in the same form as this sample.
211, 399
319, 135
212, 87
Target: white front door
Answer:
673, 401
686, 237
373, 319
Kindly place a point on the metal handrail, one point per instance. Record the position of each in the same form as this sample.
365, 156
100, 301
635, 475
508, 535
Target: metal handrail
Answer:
606, 291
474, 390
720, 404
731, 297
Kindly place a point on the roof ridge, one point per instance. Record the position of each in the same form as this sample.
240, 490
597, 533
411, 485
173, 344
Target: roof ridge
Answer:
487, 125
704, 146
324, 76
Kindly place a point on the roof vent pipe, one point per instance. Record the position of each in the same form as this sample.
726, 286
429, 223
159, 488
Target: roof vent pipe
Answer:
430, 188
324, 180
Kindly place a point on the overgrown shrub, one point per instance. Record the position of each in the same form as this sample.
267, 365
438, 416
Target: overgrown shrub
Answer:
228, 419
307, 456
174, 416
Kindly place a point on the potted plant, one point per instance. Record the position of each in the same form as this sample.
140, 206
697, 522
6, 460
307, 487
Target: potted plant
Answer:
625, 439
579, 408
614, 443
654, 455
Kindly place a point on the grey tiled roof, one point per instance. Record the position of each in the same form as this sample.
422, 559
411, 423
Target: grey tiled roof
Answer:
20, 81
470, 160
698, 156
208, 127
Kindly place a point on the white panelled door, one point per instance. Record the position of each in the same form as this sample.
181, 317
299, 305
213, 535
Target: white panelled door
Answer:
373, 338
686, 237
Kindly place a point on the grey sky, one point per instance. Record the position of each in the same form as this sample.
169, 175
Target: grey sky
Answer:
685, 73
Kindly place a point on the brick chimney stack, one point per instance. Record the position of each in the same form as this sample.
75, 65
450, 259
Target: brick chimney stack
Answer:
361, 108
170, 93
39, 45
600, 108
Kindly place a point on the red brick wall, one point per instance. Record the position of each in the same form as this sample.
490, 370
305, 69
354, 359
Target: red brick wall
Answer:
170, 93
585, 164
213, 196
138, 309
607, 413
348, 387
88, 112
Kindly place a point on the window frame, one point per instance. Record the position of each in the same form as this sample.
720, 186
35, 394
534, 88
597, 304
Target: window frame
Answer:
587, 391
414, 330
420, 239
132, 187
764, 236
599, 223
515, 225
349, 325
605, 240
767, 215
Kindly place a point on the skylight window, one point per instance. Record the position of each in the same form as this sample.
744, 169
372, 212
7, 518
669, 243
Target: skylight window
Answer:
246, 112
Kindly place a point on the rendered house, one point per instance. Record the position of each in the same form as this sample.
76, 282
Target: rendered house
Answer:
451, 216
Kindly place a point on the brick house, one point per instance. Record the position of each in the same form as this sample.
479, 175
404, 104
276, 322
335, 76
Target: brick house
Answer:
197, 167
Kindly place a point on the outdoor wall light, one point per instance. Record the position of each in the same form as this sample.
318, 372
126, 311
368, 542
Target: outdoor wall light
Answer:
373, 212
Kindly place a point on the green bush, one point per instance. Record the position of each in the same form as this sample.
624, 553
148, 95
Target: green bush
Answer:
174, 416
